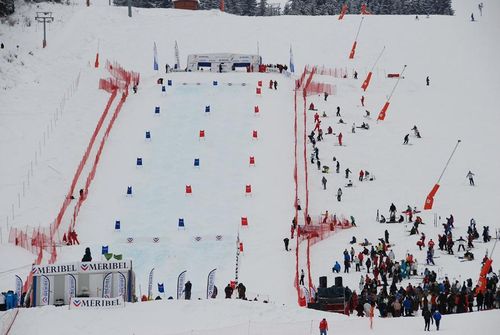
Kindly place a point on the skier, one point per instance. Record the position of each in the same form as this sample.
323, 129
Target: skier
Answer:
406, 139
220, 67
347, 171
187, 290
323, 181
355, 75
339, 194
323, 327
326, 96
472, 17
318, 163
302, 275
337, 167
386, 235
353, 128
361, 175
480, 7
316, 117
340, 139
275, 84
271, 82
392, 210
134, 88
461, 244
228, 291
316, 153
427, 80
286, 241
470, 175
338, 111
363, 100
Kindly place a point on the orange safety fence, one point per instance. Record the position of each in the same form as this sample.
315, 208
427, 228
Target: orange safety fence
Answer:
39, 239
324, 71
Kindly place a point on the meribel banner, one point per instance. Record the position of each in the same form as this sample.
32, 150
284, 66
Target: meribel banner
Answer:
86, 303
83, 267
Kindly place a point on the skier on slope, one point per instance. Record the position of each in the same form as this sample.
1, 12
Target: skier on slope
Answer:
347, 171
340, 139
427, 80
337, 167
339, 194
363, 100
323, 181
338, 111
406, 139
470, 175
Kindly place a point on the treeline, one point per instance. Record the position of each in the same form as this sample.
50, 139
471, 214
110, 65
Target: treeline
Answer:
383, 7
292, 7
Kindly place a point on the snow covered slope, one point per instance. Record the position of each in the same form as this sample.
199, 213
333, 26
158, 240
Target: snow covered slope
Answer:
458, 55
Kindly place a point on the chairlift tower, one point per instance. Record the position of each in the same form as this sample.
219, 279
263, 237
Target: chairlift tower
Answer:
45, 17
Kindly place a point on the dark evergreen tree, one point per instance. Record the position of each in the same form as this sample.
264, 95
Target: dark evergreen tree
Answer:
145, 3
262, 10
6, 7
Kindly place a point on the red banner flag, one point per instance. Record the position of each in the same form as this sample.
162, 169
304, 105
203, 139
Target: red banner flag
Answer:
96, 63
365, 84
381, 115
482, 276
353, 50
342, 12
430, 198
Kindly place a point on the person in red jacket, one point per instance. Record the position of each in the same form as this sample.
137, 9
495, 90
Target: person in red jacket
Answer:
323, 327
361, 175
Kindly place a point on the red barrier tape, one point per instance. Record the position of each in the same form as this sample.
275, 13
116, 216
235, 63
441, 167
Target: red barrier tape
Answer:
91, 174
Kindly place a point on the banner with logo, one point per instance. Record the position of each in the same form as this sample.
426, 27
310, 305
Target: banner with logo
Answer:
155, 58
85, 267
107, 285
150, 284
177, 61
180, 284
19, 289
70, 287
210, 283
44, 291
122, 284
87, 303
306, 293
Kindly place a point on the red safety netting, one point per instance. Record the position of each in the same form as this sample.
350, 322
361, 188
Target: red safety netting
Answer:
324, 71
92, 172
44, 238
320, 229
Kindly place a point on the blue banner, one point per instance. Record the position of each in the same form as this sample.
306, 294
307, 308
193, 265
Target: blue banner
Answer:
161, 288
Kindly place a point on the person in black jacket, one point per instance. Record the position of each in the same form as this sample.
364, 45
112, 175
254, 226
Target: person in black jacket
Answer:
187, 290
427, 319
87, 257
242, 291
228, 291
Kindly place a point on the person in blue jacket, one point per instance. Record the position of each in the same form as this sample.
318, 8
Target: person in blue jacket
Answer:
437, 318
336, 267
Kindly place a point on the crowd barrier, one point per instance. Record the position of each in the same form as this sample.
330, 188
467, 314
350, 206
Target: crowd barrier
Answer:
45, 239
324, 71
318, 231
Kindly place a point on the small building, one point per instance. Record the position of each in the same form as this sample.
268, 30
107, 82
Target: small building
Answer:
186, 4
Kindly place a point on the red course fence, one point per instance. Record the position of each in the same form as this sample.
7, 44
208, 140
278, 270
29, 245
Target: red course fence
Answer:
44, 238
316, 231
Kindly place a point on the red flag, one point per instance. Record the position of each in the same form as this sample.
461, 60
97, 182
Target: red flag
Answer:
353, 50
482, 276
430, 198
343, 11
381, 115
96, 64
367, 81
